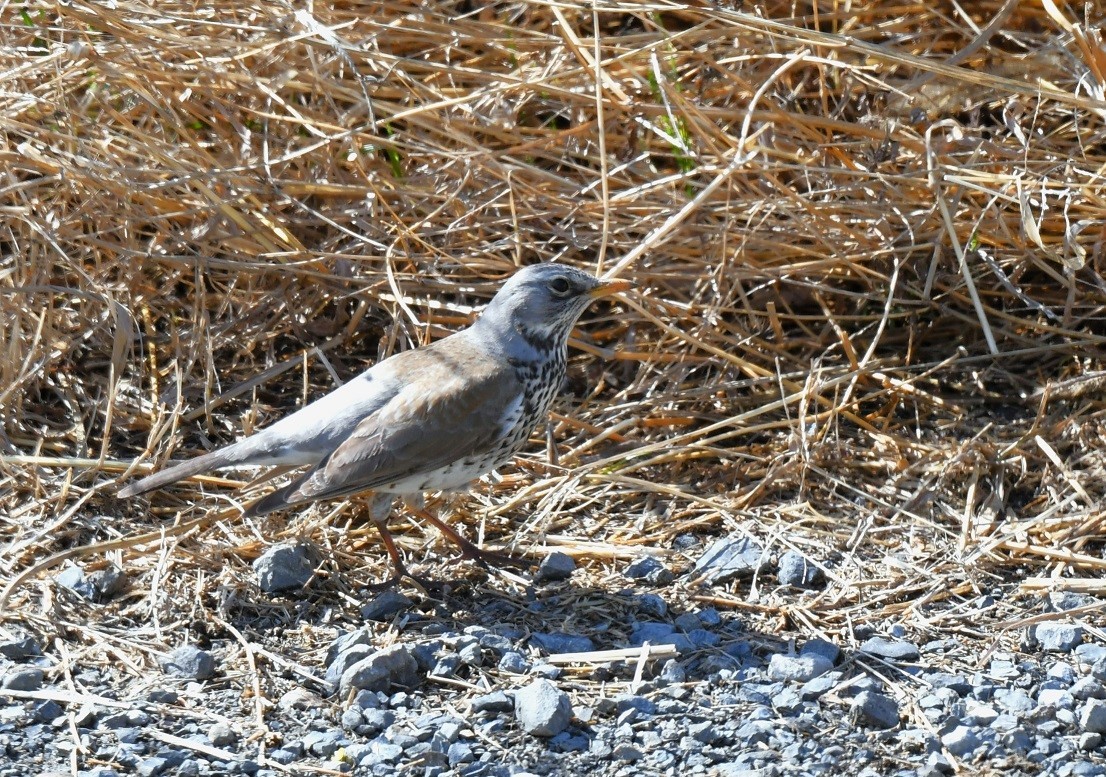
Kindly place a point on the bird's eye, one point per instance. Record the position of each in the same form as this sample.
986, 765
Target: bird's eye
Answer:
560, 286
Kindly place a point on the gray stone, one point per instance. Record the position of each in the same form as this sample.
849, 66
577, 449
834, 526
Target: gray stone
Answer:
890, 649
221, 735
542, 709
151, 767
795, 570
381, 670
556, 566
1088, 688
20, 649
376, 720
628, 753
386, 606
797, 668
190, 663
649, 570
282, 756
652, 605
73, 578
558, 642
728, 558
1014, 700
345, 660
961, 741
672, 673
1090, 741
323, 743
876, 710
813, 689
821, 647
954, 682
1092, 716
496, 701
513, 662
283, 568
27, 678
1056, 636
107, 583
653, 632
460, 753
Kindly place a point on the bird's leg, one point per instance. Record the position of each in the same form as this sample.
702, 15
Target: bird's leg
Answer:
379, 510
469, 550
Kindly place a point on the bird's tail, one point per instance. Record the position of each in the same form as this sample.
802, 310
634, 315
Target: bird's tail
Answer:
184, 469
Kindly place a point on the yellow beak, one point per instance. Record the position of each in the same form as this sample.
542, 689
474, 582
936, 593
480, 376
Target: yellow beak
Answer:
608, 288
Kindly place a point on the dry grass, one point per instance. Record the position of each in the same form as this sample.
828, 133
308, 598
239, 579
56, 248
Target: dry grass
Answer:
868, 248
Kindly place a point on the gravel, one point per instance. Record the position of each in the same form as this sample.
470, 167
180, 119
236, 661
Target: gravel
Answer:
468, 694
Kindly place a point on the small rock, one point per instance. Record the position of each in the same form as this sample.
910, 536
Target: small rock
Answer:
542, 709
960, 741
728, 558
460, 753
1089, 741
1092, 716
650, 570
1088, 688
556, 566
890, 649
653, 632
558, 642
799, 669
821, 647
1014, 700
672, 673
1055, 636
344, 661
652, 605
381, 670
20, 649
73, 578
876, 710
386, 606
283, 568
107, 583
496, 701
323, 743
151, 767
513, 662
628, 753
221, 735
190, 663
954, 682
795, 570
28, 678
813, 689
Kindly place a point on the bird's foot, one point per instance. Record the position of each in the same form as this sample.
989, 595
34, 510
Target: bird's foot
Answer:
486, 558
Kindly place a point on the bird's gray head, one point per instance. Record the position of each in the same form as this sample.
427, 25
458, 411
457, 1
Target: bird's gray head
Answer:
541, 303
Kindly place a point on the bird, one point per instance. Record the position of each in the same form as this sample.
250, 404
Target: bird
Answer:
430, 419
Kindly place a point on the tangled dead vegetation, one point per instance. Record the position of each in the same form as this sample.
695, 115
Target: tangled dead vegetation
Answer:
868, 250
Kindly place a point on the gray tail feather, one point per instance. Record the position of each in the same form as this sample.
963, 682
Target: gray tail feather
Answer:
277, 500
184, 469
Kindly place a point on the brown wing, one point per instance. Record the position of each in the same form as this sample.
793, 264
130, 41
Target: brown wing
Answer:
451, 409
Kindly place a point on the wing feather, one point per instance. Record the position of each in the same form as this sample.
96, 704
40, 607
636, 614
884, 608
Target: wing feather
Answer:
450, 410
